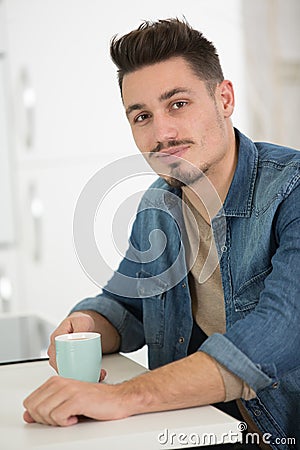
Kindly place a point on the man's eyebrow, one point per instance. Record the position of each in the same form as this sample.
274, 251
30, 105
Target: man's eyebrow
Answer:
135, 107
165, 96
169, 94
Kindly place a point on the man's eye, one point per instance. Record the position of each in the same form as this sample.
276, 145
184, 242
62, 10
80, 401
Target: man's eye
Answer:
178, 105
140, 118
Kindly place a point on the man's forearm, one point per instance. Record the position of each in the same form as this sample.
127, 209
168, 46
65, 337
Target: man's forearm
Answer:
110, 338
192, 381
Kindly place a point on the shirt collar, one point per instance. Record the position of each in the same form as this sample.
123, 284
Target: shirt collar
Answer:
238, 201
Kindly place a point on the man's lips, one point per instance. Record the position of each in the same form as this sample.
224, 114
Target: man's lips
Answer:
173, 153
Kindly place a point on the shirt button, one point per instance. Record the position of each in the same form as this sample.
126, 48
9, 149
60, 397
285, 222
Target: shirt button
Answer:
181, 340
275, 385
224, 248
257, 412
183, 285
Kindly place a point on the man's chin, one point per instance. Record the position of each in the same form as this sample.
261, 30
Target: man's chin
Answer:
173, 182
182, 180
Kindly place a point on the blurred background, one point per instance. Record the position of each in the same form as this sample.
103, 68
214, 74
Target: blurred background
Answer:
61, 119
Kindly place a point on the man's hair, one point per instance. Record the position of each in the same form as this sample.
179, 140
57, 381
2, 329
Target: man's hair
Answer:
154, 42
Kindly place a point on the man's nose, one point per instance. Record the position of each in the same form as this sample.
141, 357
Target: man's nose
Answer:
164, 128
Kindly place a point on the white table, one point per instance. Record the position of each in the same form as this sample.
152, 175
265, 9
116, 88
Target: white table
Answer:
134, 433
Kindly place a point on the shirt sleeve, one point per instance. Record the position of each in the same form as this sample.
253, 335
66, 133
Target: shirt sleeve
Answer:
248, 348
127, 324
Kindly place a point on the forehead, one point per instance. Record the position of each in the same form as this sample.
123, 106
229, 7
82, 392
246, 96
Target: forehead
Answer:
151, 82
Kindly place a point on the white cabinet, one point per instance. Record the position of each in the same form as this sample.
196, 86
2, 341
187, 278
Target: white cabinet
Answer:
9, 282
6, 195
7, 225
51, 276
59, 136
8, 269
58, 54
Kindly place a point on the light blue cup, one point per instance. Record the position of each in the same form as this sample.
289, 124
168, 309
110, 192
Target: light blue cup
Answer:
79, 356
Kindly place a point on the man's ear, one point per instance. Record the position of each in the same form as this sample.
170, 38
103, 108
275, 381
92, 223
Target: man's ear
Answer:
226, 94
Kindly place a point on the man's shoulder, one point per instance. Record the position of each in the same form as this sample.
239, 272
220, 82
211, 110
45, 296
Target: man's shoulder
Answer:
268, 170
277, 155
278, 169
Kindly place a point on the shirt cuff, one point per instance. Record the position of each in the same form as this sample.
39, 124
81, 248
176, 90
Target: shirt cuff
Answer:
230, 356
127, 325
235, 387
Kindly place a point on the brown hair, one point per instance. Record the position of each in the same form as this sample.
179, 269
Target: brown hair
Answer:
154, 42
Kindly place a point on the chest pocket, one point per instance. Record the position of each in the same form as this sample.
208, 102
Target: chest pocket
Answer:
246, 298
152, 291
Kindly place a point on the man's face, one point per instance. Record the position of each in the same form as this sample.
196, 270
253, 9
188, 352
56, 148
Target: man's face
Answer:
177, 122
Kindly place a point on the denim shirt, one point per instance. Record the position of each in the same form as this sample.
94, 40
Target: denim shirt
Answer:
259, 254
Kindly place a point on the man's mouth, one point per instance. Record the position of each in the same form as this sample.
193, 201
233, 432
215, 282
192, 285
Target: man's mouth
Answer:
172, 154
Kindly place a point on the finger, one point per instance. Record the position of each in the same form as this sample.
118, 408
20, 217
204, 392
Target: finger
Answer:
61, 409
82, 322
78, 321
71, 421
64, 327
42, 413
29, 401
40, 402
27, 417
103, 375
52, 357
62, 415
34, 416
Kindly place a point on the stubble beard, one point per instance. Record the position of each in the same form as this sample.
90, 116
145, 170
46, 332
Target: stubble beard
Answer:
179, 177
181, 172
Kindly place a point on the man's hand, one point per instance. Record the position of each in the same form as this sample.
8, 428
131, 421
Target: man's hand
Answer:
59, 402
76, 322
81, 321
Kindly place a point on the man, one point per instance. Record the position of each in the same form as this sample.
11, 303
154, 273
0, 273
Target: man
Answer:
229, 337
